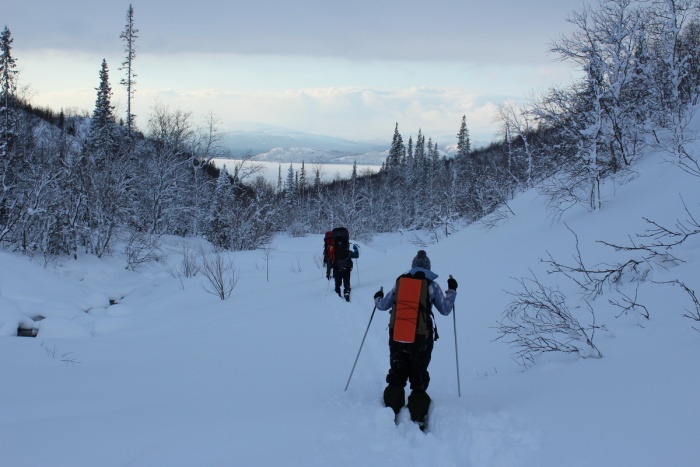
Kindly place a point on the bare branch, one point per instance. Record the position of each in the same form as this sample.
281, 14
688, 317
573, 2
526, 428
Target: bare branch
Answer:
539, 320
593, 280
630, 304
692, 314
221, 274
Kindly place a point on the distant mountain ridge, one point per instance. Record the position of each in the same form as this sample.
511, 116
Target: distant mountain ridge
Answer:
255, 138
321, 156
282, 145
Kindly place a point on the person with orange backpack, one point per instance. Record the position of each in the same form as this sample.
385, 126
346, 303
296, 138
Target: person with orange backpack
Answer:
412, 334
328, 253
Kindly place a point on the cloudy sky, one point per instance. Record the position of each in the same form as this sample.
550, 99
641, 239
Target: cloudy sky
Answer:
351, 69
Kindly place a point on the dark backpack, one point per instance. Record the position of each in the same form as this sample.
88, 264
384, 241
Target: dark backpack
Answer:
341, 249
411, 314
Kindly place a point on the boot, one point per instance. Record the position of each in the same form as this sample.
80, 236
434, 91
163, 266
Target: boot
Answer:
346, 293
394, 397
418, 405
337, 290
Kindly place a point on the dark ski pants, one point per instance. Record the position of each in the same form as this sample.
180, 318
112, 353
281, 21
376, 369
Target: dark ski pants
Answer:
409, 362
342, 278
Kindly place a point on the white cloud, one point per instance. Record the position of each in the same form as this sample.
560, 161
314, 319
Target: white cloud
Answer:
331, 107
359, 98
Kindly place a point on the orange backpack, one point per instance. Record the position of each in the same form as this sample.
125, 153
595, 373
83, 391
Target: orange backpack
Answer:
411, 314
328, 247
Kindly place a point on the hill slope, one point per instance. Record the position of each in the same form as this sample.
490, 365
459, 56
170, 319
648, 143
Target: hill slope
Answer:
170, 375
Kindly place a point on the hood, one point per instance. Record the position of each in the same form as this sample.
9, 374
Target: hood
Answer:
428, 273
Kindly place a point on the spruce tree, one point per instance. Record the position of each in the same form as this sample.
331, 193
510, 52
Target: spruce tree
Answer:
102, 137
418, 173
219, 223
290, 187
8, 85
303, 183
397, 151
317, 178
353, 180
463, 143
107, 174
279, 179
129, 36
10, 210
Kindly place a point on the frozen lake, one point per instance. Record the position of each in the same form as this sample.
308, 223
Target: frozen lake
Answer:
270, 170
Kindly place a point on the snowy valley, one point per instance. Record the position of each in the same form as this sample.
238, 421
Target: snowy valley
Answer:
146, 368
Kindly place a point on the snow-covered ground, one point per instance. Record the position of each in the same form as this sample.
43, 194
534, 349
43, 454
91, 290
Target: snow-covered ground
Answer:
170, 375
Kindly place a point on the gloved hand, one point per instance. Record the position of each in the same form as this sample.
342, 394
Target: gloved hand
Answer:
379, 294
451, 283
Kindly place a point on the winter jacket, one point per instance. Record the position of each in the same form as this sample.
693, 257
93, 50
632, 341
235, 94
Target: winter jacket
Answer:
443, 302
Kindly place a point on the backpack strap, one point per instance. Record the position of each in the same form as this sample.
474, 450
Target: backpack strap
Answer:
427, 308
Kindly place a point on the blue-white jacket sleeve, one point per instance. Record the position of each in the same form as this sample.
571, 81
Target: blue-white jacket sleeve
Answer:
386, 302
444, 302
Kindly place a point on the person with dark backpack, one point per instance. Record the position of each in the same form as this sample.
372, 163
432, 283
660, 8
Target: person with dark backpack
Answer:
412, 334
342, 260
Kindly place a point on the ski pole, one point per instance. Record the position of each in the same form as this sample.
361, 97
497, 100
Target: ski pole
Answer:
363, 343
358, 267
454, 320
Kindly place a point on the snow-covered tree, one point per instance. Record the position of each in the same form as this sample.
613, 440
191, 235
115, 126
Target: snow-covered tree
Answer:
9, 202
129, 36
108, 173
577, 117
168, 195
602, 118
517, 122
303, 182
290, 187
8, 86
206, 145
397, 151
463, 141
218, 223
102, 138
671, 73
279, 179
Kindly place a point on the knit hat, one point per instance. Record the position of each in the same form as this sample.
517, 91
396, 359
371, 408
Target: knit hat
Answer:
421, 260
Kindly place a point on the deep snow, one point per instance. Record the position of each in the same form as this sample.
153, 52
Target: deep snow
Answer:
171, 376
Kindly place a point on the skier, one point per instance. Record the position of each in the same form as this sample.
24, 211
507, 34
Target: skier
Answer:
328, 253
342, 260
412, 333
